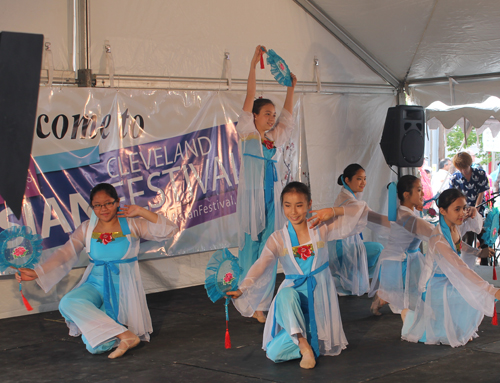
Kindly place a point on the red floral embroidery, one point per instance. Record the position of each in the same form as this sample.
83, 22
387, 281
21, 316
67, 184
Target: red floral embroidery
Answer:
431, 212
106, 238
268, 144
304, 252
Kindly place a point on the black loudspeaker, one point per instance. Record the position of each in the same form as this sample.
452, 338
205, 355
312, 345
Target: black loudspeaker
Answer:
403, 137
20, 64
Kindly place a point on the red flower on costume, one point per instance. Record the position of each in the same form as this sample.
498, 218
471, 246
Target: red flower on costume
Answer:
268, 144
304, 252
432, 213
106, 238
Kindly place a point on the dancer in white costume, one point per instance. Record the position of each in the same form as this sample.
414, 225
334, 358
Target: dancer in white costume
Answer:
108, 306
304, 318
398, 269
351, 260
454, 298
262, 139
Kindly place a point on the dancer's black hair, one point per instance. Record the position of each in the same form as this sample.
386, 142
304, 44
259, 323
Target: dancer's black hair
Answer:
447, 197
107, 188
349, 172
259, 103
405, 184
296, 187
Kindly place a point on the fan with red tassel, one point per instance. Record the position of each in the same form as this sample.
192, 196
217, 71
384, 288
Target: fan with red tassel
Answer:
221, 276
19, 248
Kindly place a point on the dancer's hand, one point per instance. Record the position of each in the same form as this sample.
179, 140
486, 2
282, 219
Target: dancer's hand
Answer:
256, 56
130, 211
26, 275
234, 294
322, 215
486, 252
470, 213
294, 80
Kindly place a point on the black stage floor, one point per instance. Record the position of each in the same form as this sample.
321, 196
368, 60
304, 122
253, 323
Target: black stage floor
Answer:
188, 346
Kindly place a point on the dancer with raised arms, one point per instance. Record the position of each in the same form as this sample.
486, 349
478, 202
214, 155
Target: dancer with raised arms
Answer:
262, 139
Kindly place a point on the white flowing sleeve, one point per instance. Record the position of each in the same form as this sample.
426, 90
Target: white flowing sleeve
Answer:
352, 222
245, 125
162, 230
472, 224
417, 226
51, 270
474, 289
469, 255
282, 131
258, 278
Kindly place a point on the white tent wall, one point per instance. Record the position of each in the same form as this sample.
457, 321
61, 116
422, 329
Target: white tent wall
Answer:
354, 129
188, 39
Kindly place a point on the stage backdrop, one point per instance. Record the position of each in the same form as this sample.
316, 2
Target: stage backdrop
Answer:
175, 153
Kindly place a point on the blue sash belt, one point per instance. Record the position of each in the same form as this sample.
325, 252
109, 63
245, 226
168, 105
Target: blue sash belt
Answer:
310, 278
109, 287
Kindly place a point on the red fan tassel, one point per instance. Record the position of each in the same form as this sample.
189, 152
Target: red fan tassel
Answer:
494, 321
228, 338
261, 60
26, 303
494, 273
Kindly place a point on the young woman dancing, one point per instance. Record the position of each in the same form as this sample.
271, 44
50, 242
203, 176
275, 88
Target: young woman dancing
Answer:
398, 269
262, 139
304, 318
453, 299
108, 306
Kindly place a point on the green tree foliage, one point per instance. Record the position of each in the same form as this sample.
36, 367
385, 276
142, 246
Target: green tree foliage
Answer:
455, 143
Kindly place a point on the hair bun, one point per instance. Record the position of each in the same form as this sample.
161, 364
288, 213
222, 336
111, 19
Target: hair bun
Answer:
339, 180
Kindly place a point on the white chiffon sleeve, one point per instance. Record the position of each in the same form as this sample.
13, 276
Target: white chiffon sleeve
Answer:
352, 222
417, 226
472, 224
245, 125
162, 230
469, 255
282, 131
51, 270
258, 278
474, 289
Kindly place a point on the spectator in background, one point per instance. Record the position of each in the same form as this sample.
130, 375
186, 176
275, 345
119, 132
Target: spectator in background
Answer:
471, 181
441, 180
425, 178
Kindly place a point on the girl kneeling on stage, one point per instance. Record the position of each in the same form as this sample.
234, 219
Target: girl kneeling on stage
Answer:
108, 306
304, 318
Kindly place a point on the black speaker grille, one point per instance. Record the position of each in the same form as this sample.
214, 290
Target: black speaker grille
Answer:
412, 146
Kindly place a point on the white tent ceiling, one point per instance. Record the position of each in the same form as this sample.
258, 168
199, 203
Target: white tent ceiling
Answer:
423, 42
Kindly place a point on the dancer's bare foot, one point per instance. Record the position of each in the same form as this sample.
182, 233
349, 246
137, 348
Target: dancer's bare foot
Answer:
308, 360
403, 314
259, 315
128, 340
377, 304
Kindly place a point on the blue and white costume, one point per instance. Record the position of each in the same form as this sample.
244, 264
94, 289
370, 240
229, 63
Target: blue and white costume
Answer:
454, 298
292, 311
351, 260
110, 294
259, 189
397, 273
